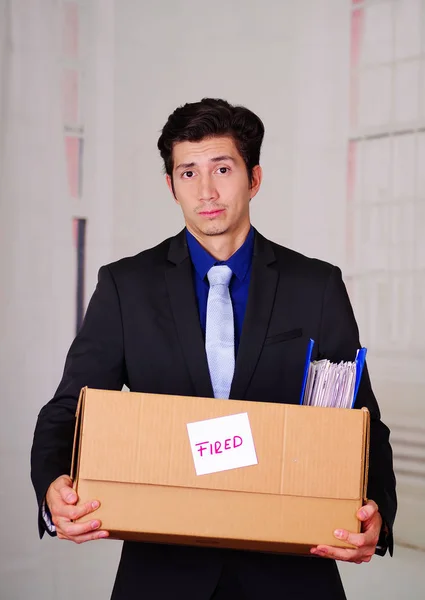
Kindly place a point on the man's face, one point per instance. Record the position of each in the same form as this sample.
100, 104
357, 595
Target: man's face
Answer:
212, 187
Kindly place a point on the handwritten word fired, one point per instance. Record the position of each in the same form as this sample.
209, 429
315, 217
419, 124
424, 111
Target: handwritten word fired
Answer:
211, 448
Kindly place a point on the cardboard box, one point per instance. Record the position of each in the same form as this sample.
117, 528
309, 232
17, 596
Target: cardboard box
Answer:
132, 452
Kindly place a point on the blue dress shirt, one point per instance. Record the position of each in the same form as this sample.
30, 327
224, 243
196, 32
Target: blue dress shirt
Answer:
240, 263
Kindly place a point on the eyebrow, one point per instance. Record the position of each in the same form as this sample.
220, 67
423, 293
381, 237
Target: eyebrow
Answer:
215, 159
222, 157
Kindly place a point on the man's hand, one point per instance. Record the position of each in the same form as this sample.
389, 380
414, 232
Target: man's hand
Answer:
365, 542
61, 499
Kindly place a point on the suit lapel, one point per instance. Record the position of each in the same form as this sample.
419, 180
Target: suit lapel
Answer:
262, 291
180, 287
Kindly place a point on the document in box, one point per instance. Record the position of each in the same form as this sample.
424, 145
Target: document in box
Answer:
333, 385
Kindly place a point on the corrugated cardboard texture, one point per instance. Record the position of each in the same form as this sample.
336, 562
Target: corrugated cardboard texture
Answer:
135, 457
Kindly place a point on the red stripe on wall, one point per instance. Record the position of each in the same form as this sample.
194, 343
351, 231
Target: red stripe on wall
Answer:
70, 29
350, 216
357, 22
72, 162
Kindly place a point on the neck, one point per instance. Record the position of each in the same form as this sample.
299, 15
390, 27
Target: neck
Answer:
222, 246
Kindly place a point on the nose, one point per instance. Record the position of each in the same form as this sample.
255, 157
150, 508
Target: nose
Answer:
207, 189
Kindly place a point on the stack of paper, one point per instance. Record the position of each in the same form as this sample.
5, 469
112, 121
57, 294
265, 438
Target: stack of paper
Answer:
332, 384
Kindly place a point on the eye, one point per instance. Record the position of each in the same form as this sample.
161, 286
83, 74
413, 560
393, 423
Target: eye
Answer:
188, 174
223, 170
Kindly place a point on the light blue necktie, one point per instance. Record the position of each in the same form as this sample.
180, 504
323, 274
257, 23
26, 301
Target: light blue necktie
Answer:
219, 333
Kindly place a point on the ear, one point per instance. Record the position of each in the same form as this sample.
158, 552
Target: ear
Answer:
170, 187
257, 178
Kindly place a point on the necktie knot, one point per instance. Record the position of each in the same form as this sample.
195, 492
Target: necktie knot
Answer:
219, 275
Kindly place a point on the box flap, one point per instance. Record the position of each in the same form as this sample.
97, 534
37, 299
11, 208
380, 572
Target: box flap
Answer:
119, 442
366, 435
326, 442
77, 434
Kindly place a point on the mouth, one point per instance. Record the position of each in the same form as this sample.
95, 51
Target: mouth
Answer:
210, 214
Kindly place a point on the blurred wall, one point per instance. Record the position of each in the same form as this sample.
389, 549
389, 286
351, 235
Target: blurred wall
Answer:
384, 229
85, 88
249, 53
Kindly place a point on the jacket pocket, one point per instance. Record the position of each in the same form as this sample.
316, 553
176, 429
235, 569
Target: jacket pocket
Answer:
283, 337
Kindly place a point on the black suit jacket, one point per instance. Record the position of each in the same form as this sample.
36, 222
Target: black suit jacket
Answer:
142, 329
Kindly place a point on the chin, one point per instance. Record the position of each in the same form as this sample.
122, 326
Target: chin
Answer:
215, 230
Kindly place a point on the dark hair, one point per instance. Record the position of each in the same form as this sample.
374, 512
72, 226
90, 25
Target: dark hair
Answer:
208, 118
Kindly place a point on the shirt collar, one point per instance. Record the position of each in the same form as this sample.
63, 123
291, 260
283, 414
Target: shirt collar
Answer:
239, 262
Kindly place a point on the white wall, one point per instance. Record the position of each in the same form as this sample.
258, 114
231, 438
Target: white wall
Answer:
249, 53
286, 60
194, 49
38, 272
36, 260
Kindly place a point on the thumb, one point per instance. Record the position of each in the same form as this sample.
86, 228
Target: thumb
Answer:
66, 492
367, 511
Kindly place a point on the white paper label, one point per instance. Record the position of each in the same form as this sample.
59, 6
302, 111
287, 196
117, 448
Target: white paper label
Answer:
222, 444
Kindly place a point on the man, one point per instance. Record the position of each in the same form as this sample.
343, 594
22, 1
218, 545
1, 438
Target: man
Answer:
154, 324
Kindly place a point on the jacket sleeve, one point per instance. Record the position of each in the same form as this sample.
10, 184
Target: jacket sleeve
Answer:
339, 340
95, 359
